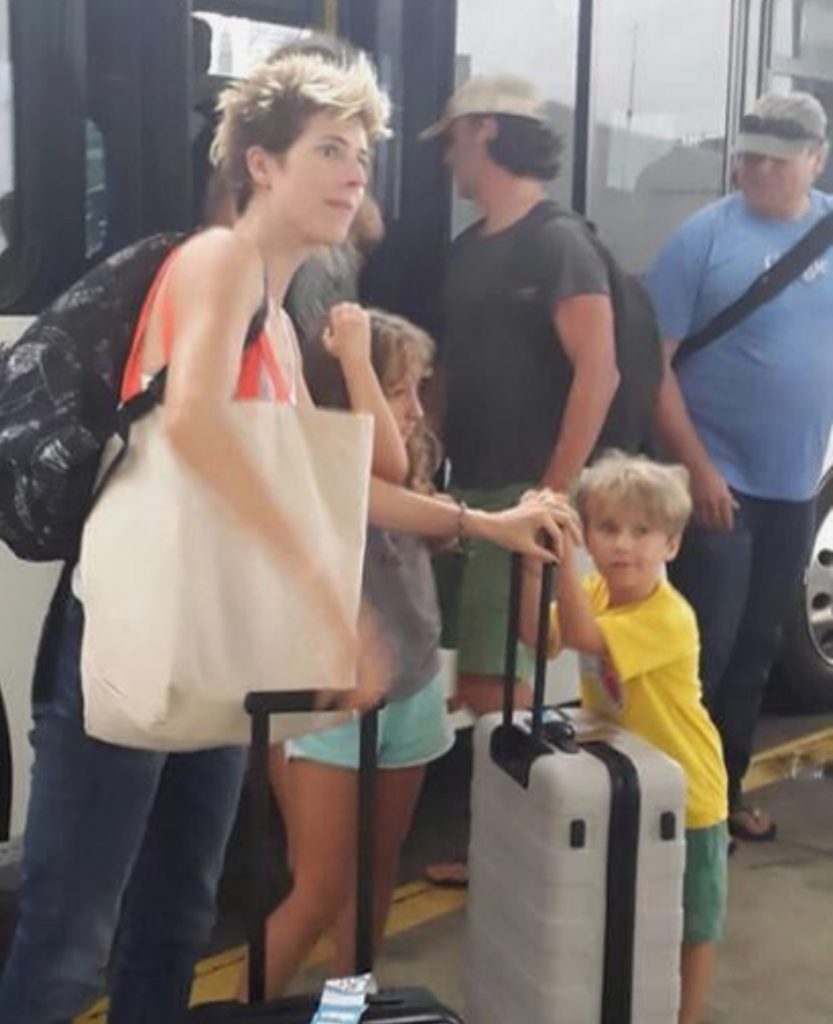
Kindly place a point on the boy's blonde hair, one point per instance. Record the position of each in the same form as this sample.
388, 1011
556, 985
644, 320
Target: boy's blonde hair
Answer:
271, 106
661, 492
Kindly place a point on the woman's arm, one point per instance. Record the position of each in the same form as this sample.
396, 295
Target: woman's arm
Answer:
216, 286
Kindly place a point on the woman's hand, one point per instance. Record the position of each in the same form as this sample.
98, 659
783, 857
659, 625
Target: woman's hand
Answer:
367, 653
347, 335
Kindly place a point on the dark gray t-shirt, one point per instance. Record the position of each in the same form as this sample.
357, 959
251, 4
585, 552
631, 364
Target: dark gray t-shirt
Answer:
399, 584
508, 376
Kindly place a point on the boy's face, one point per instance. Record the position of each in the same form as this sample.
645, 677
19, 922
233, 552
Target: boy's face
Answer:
317, 186
629, 551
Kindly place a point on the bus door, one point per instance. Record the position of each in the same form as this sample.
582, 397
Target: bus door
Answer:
796, 52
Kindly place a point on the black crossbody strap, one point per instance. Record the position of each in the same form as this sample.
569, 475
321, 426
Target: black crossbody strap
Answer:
763, 289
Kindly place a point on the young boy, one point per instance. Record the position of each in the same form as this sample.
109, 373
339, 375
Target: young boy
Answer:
639, 649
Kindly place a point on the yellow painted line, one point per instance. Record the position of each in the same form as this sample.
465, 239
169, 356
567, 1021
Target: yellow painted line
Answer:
779, 763
420, 903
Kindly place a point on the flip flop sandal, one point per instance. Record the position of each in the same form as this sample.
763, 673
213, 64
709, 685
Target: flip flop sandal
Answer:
453, 875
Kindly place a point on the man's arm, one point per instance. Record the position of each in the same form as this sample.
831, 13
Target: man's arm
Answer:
714, 503
584, 324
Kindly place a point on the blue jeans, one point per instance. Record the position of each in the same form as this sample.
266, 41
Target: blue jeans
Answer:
740, 583
115, 838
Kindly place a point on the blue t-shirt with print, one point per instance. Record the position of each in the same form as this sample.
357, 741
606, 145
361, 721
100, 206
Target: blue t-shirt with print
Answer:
761, 396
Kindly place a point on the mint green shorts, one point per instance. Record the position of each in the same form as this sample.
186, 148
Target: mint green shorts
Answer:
473, 590
705, 888
412, 732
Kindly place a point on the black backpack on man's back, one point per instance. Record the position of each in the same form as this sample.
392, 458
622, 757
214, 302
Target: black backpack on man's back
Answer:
639, 352
60, 389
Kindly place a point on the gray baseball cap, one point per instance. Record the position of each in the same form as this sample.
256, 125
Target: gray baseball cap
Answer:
782, 126
489, 94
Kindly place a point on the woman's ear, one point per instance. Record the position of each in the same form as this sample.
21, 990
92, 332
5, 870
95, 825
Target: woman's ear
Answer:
260, 165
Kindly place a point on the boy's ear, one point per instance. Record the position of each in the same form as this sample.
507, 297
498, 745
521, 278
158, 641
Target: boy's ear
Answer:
674, 542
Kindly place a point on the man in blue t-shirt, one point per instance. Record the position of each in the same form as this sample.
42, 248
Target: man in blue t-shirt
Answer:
750, 415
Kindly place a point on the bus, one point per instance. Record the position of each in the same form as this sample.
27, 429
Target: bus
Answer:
105, 106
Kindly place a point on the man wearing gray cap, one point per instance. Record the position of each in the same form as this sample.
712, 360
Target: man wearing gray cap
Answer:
750, 415
527, 351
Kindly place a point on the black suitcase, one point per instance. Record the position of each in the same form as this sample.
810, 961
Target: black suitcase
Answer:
391, 1006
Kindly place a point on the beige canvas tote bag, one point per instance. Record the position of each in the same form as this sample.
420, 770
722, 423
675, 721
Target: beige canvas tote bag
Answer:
186, 611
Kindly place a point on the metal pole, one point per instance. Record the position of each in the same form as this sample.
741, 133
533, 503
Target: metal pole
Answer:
581, 119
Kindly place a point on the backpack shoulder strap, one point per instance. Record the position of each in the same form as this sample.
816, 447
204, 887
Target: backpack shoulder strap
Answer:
763, 289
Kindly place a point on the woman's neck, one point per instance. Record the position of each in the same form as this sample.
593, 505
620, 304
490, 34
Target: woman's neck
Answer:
281, 251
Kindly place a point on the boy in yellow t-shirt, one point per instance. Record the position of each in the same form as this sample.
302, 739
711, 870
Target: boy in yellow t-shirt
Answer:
639, 651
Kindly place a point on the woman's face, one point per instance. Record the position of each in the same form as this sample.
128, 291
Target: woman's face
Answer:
317, 186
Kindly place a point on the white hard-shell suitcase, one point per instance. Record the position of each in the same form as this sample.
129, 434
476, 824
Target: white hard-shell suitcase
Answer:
576, 867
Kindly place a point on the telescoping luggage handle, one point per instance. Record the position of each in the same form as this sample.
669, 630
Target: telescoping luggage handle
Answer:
513, 748
260, 706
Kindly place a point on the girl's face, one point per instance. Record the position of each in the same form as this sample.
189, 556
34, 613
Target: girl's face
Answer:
316, 187
403, 399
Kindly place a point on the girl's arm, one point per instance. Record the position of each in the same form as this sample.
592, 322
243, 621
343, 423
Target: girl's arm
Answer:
348, 339
216, 286
518, 529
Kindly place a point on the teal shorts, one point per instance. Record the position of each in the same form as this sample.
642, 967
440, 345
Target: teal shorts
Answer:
706, 883
412, 732
473, 590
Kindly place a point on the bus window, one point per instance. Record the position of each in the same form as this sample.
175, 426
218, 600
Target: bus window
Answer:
658, 143
754, 34
7, 183
237, 43
223, 47
802, 57
538, 42
802, 33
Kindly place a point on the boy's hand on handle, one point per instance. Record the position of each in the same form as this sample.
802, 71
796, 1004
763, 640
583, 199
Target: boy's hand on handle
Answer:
347, 335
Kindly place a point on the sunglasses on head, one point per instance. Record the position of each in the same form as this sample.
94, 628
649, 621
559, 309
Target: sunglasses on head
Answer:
780, 127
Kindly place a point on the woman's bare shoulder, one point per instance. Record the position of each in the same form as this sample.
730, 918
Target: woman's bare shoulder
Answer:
221, 258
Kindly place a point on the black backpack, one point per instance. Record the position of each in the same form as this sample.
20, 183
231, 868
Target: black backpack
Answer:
639, 350
60, 389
